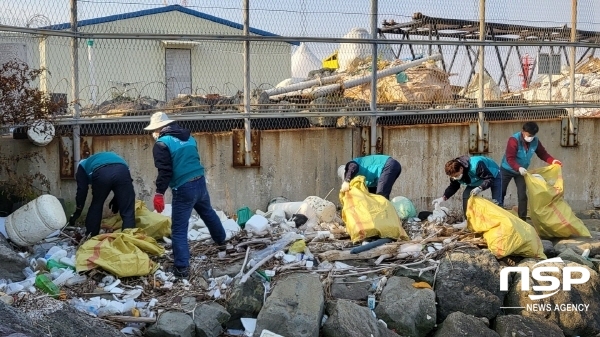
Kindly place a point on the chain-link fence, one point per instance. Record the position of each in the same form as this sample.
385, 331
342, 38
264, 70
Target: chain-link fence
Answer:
305, 63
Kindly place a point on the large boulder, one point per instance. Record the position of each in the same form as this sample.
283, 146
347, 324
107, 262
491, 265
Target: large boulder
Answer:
407, 310
209, 319
458, 324
350, 288
295, 307
12, 321
515, 325
469, 281
548, 248
578, 245
415, 274
11, 263
50, 317
576, 312
172, 324
246, 300
349, 319
569, 255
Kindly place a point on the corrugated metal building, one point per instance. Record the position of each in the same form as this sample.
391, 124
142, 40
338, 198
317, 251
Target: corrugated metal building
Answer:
158, 69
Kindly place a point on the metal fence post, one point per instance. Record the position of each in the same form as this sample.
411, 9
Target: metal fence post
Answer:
247, 134
572, 67
75, 87
480, 98
374, 78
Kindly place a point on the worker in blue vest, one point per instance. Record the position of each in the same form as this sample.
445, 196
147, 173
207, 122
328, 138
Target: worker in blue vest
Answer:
178, 162
519, 150
477, 173
106, 172
380, 172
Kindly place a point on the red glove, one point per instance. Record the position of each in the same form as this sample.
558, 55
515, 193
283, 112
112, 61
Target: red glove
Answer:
159, 202
557, 162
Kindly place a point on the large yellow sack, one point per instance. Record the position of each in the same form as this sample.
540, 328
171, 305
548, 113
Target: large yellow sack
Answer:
367, 215
154, 224
504, 233
549, 212
122, 254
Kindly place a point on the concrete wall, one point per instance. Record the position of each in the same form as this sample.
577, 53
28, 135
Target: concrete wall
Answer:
300, 163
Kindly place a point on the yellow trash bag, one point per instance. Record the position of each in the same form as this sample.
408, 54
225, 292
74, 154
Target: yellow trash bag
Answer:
504, 233
154, 224
122, 254
367, 215
549, 212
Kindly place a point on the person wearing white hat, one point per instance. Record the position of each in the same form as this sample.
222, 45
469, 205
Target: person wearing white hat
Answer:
380, 172
178, 162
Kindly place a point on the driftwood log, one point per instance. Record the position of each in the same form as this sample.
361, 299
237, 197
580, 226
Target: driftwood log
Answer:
337, 255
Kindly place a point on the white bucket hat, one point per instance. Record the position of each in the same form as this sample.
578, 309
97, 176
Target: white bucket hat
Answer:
341, 171
158, 120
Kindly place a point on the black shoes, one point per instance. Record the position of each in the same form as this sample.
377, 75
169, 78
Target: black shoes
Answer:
182, 272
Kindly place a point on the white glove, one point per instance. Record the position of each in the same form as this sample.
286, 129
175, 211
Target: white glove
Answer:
345, 187
523, 171
438, 201
476, 191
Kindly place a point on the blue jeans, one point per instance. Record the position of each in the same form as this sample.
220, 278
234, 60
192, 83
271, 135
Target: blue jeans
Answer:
192, 195
496, 193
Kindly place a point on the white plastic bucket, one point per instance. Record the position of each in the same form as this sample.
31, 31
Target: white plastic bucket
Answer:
41, 132
36, 220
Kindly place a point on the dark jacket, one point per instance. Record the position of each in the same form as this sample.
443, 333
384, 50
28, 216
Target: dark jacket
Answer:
481, 171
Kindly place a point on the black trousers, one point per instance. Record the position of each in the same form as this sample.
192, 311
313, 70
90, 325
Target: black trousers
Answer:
115, 178
507, 176
390, 173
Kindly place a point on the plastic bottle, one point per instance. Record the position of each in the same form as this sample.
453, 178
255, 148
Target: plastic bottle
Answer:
28, 272
77, 279
58, 255
44, 283
67, 274
51, 252
278, 245
55, 264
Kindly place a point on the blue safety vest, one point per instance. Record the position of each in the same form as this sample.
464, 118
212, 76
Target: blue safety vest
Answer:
371, 167
98, 160
523, 156
473, 162
184, 159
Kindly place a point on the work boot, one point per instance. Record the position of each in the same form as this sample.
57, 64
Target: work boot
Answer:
181, 272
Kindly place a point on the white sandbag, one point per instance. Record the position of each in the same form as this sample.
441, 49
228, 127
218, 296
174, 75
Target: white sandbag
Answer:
257, 224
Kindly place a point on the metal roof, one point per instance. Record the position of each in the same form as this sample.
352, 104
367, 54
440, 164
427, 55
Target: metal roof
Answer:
158, 10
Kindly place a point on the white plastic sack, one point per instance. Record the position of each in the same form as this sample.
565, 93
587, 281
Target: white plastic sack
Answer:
348, 52
303, 62
440, 214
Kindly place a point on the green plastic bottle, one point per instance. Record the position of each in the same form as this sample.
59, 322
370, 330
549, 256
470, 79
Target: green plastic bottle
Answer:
46, 285
55, 264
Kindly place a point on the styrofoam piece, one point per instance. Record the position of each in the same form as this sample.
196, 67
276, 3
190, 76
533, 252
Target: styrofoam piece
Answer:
278, 216
249, 325
222, 216
324, 209
167, 211
290, 208
35, 220
257, 224
41, 132
268, 333
3, 227
231, 228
